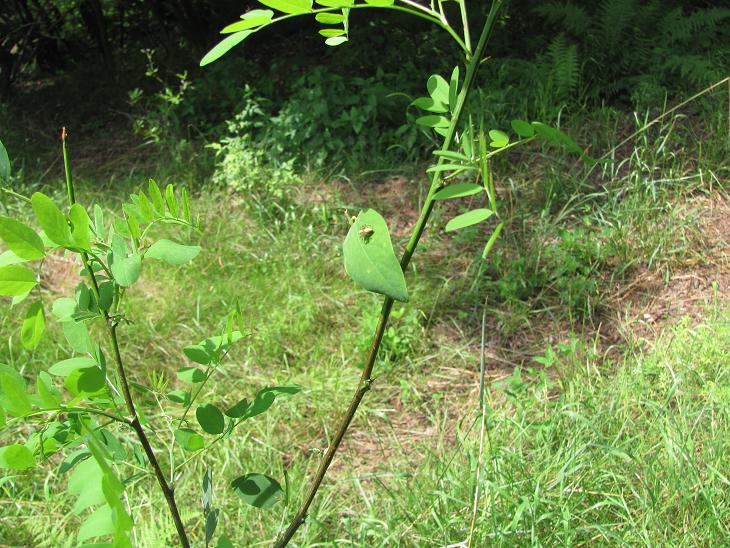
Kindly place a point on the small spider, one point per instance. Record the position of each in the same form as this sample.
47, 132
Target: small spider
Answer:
366, 232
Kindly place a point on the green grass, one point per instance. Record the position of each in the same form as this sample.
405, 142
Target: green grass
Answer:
627, 449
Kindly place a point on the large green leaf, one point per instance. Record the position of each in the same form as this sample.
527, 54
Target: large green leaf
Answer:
33, 326
171, 252
289, 6
257, 490
16, 280
52, 221
16, 457
21, 239
224, 46
369, 257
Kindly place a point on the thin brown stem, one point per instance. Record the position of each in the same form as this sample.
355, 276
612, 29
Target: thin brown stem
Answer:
134, 422
366, 377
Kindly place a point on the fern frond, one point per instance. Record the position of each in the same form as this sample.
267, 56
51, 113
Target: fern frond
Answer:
567, 15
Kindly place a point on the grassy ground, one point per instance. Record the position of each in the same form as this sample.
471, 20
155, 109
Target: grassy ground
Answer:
616, 434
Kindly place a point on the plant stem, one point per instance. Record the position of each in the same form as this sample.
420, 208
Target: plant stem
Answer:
14, 194
134, 422
366, 377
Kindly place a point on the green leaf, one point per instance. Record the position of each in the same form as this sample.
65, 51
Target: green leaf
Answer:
171, 200
87, 381
16, 280
224, 46
454, 156
336, 40
193, 375
47, 393
450, 167
454, 88
380, 3
179, 396
296, 7
433, 121
65, 367
85, 484
438, 89
171, 252
16, 457
52, 221
266, 397
369, 257
428, 104
329, 18
126, 270
100, 523
210, 418
249, 20
239, 410
146, 209
330, 33
77, 336
199, 353
33, 326
211, 522
492, 240
522, 128
257, 490
21, 239
335, 3
557, 137
4, 164
81, 222
189, 439
63, 309
99, 221
467, 219
158, 201
459, 190
8, 258
13, 394
499, 139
